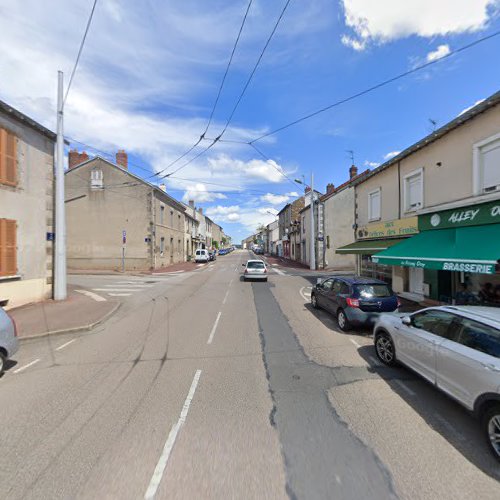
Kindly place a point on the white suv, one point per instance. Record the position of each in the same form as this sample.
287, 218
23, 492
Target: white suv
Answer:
456, 348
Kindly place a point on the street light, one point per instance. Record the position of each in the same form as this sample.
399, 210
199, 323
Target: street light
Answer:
312, 260
269, 212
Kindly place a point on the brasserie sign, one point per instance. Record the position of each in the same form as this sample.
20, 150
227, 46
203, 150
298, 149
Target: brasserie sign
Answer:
474, 215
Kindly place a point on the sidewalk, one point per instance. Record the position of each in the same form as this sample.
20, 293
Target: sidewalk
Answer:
180, 266
78, 312
281, 261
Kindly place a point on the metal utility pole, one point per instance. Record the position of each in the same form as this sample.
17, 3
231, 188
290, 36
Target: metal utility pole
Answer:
60, 291
312, 260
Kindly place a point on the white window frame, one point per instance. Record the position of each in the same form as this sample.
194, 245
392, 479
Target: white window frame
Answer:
96, 179
371, 218
477, 174
407, 208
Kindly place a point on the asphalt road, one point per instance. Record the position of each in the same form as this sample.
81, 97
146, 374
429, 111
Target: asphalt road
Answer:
204, 386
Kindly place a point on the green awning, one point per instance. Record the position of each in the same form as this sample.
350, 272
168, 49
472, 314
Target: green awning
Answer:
368, 247
473, 249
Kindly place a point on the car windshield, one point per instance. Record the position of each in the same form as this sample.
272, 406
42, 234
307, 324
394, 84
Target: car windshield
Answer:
372, 291
255, 265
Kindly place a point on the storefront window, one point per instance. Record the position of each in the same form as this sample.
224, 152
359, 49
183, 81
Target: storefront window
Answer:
378, 271
478, 289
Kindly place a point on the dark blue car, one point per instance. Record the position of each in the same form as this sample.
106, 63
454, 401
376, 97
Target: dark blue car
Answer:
353, 300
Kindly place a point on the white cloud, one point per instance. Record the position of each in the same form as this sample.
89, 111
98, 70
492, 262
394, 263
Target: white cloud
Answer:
233, 217
199, 193
441, 51
382, 21
470, 107
390, 155
371, 164
275, 199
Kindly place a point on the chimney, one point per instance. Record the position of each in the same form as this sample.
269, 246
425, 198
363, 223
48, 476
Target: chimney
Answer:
200, 210
75, 158
307, 189
191, 203
330, 188
122, 158
353, 171
163, 187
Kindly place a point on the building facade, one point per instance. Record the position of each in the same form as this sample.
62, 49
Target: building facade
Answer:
26, 209
117, 221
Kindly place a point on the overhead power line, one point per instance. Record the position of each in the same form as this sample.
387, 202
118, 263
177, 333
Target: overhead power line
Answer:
80, 51
272, 163
377, 86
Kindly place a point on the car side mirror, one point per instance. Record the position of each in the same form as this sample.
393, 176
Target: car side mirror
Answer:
406, 320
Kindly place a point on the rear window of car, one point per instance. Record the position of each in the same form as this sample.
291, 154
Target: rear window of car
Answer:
255, 265
372, 291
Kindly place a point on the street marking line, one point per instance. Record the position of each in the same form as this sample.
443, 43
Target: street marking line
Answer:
65, 345
139, 286
405, 388
357, 344
169, 444
225, 297
212, 333
94, 296
117, 289
26, 366
303, 294
119, 294
279, 271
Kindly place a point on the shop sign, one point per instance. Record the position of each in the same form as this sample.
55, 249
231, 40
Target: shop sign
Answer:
474, 215
398, 227
438, 264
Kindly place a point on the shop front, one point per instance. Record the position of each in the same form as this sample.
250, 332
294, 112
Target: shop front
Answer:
457, 254
374, 238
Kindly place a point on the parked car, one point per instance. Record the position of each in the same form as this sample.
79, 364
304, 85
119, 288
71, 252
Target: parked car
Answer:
9, 343
212, 255
456, 348
255, 269
353, 300
201, 255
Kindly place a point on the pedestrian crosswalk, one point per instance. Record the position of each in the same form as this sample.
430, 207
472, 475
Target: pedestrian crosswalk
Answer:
126, 288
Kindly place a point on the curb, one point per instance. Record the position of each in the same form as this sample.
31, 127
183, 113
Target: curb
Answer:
75, 329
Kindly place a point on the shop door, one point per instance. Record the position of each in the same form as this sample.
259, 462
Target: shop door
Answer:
416, 280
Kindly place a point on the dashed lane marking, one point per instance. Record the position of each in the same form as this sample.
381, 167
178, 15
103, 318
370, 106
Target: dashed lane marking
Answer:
169, 444
94, 296
119, 294
34, 362
212, 333
66, 344
357, 344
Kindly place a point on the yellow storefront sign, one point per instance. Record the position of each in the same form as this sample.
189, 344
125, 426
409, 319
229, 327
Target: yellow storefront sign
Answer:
398, 227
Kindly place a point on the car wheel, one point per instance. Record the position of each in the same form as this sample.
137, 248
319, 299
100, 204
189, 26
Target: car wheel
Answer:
3, 359
384, 347
342, 320
314, 301
491, 428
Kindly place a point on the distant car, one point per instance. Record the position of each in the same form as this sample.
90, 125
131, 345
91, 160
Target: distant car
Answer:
201, 255
255, 269
353, 300
456, 348
258, 251
9, 343
212, 255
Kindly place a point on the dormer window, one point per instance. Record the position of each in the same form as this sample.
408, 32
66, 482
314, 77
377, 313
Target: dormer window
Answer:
96, 179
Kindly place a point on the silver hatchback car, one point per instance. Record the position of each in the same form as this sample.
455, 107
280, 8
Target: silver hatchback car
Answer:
255, 270
456, 348
9, 343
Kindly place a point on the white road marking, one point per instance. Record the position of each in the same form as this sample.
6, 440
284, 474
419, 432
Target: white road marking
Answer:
279, 271
199, 265
405, 388
212, 333
27, 366
94, 296
355, 343
170, 272
117, 289
138, 286
65, 345
225, 297
119, 294
303, 294
169, 444
374, 360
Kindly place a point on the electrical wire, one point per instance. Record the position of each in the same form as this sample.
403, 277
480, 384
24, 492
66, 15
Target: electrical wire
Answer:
377, 86
80, 51
272, 163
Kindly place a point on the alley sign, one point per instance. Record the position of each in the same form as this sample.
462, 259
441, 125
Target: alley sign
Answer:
474, 215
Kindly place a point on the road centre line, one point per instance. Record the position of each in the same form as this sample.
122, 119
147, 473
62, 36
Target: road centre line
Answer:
27, 366
405, 387
65, 345
119, 294
94, 296
169, 444
225, 297
355, 343
212, 333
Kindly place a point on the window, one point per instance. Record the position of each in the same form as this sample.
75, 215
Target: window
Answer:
372, 291
162, 214
436, 322
344, 289
374, 205
414, 191
179, 222
8, 247
162, 245
327, 285
480, 337
8, 158
96, 179
487, 165
337, 286
171, 218
327, 241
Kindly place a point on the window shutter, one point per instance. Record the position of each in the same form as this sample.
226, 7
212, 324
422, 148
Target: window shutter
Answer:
375, 205
8, 247
414, 190
491, 167
8, 158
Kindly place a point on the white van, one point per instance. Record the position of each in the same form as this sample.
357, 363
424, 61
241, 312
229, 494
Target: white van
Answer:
201, 255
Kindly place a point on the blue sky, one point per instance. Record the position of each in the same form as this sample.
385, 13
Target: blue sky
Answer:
150, 72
